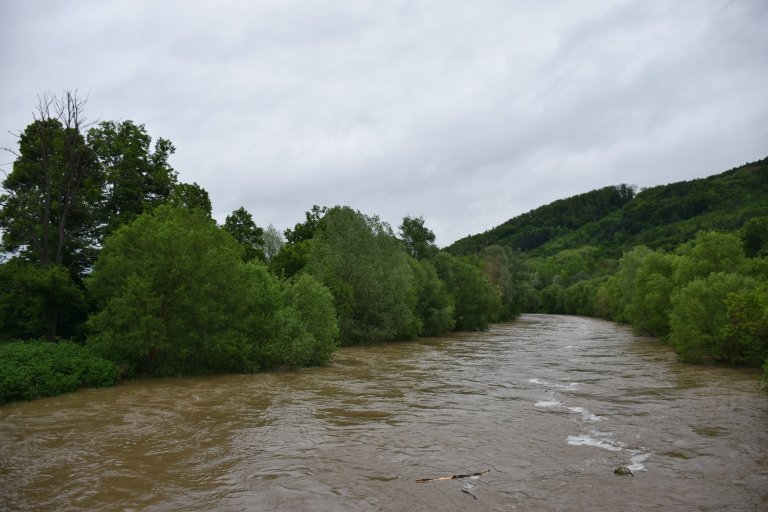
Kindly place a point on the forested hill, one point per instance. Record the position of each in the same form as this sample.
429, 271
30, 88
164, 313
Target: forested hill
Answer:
616, 218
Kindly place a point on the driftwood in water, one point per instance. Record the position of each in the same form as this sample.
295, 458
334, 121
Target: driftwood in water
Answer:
623, 470
467, 492
452, 477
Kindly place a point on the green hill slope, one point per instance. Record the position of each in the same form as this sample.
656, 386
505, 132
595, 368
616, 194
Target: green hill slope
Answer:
616, 218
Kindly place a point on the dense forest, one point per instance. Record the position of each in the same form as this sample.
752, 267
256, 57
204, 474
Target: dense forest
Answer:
112, 267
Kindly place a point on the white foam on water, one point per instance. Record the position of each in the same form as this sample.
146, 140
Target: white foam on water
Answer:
637, 462
586, 440
548, 403
585, 414
573, 386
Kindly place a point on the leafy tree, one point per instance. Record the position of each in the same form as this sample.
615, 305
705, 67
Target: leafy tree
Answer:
708, 253
476, 301
291, 259
273, 242
173, 295
754, 234
29, 292
654, 283
306, 230
47, 204
365, 267
136, 177
192, 197
745, 335
313, 303
240, 225
418, 239
507, 271
699, 316
434, 306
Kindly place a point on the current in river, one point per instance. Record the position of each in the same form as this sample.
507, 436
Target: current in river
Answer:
550, 405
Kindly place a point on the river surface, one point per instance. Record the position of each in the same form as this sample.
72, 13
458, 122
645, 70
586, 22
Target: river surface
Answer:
551, 405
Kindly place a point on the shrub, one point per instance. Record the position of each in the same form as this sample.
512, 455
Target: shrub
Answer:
30, 370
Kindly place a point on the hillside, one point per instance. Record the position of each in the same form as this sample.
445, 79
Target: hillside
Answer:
616, 218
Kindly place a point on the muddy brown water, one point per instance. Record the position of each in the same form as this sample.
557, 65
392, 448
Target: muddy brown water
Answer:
550, 404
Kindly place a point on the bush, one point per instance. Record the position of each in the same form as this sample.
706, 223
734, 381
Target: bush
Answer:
30, 370
699, 318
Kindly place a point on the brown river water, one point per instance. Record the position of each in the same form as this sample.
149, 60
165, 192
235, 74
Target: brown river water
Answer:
550, 404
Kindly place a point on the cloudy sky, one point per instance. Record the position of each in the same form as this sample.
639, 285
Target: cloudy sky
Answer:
465, 113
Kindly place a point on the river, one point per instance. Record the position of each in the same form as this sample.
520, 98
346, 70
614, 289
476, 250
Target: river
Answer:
551, 405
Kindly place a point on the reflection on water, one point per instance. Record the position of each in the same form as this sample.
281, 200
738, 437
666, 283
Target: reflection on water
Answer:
552, 405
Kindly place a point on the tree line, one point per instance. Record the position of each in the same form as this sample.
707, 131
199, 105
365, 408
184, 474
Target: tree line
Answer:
104, 247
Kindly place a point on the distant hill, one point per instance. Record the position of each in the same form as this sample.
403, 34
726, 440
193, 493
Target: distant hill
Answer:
616, 218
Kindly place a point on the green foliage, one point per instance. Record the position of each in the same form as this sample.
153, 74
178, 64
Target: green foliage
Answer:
291, 259
419, 240
649, 308
306, 230
175, 297
240, 225
136, 177
172, 295
434, 306
313, 303
532, 230
708, 253
507, 270
30, 370
477, 302
30, 293
745, 335
754, 234
190, 196
700, 315
365, 267
51, 193
616, 219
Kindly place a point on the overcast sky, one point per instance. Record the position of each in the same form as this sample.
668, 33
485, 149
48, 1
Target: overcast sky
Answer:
465, 113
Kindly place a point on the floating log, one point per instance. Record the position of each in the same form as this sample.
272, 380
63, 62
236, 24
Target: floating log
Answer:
452, 477
623, 470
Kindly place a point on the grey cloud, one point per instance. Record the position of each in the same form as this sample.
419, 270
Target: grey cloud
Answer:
467, 114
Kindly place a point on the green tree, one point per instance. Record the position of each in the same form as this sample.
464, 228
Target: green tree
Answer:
754, 235
191, 196
47, 201
306, 230
708, 253
313, 303
434, 306
476, 301
136, 176
419, 240
745, 335
365, 267
47, 206
699, 316
649, 309
29, 292
173, 295
240, 225
507, 271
